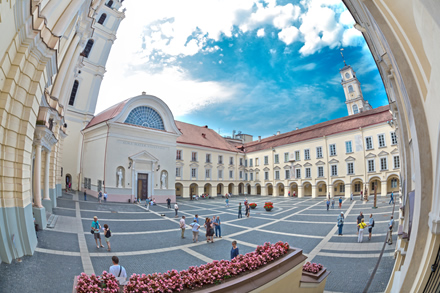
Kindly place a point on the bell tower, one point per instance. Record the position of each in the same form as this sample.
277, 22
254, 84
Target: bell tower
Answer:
354, 99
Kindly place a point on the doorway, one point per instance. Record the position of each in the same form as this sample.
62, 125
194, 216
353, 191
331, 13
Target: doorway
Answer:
142, 186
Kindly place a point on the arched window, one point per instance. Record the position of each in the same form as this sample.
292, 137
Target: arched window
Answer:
73, 93
88, 48
355, 109
109, 4
350, 89
145, 116
102, 18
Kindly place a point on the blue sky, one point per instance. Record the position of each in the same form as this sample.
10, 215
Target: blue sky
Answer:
254, 66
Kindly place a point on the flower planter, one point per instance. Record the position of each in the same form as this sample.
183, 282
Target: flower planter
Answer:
314, 278
268, 210
253, 207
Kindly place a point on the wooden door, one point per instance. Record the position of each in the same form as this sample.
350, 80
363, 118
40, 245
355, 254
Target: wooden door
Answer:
142, 186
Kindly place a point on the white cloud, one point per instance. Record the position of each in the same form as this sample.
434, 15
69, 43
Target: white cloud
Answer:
352, 37
260, 33
305, 67
288, 35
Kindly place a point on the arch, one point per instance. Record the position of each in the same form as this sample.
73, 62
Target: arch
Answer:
207, 189
293, 188
279, 190
102, 18
193, 189
73, 93
321, 188
338, 186
179, 189
220, 188
350, 89
68, 179
258, 188
240, 188
88, 48
374, 182
109, 4
357, 185
393, 184
307, 188
248, 189
269, 189
231, 188
146, 117
355, 109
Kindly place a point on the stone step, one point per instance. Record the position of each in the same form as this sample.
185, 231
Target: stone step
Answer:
52, 221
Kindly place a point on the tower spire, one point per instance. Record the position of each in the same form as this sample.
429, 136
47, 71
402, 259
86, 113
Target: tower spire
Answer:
342, 49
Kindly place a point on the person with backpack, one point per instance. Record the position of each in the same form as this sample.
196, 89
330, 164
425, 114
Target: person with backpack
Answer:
370, 226
118, 271
341, 223
99, 196
107, 235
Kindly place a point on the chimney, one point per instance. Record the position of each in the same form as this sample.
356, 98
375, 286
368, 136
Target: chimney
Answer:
259, 138
278, 133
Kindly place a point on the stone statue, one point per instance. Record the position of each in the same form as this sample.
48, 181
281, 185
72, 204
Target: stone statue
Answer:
163, 180
120, 177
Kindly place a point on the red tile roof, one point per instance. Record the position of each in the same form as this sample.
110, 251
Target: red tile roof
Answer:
202, 136
371, 117
107, 114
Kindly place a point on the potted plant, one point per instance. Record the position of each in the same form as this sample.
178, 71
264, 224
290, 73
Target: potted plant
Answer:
104, 283
313, 271
268, 206
253, 205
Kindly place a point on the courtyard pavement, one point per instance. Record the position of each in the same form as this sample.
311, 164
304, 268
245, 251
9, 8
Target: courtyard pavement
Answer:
149, 241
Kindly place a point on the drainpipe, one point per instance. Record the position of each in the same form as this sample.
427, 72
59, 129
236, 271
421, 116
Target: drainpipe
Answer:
105, 153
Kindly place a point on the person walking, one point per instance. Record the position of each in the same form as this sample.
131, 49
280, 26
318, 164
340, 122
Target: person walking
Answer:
147, 203
288, 193
239, 210
176, 209
362, 196
248, 210
390, 231
234, 251
392, 198
105, 196
118, 271
209, 230
183, 226
107, 235
328, 204
195, 230
351, 196
96, 227
218, 227
85, 196
340, 223
358, 221
100, 196
196, 218
362, 226
169, 203
340, 202
370, 226
227, 202
333, 203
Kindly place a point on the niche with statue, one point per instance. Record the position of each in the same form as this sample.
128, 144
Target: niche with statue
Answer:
164, 180
120, 177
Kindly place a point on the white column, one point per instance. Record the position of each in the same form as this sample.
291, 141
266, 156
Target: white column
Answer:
314, 195
59, 82
66, 17
301, 191
46, 177
383, 188
347, 190
37, 177
331, 189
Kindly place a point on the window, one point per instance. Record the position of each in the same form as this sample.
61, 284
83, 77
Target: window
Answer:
241, 174
87, 48
251, 163
287, 174
298, 173
350, 168
245, 163
307, 154
383, 164
109, 4
320, 171
319, 152
355, 109
220, 159
394, 183
277, 159
286, 157
102, 18
231, 160
208, 173
257, 161
178, 172
73, 92
277, 175
348, 147
357, 187
341, 188
396, 160
220, 174
297, 157
179, 155
146, 117
266, 160
334, 170
350, 89
208, 158
332, 150
194, 156
371, 166
308, 173
246, 176
231, 174
369, 142
393, 138
241, 162
381, 138
251, 175
193, 172
266, 175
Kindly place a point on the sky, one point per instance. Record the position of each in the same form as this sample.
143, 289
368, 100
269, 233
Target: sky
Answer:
255, 66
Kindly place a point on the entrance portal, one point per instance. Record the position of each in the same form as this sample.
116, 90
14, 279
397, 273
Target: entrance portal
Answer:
142, 186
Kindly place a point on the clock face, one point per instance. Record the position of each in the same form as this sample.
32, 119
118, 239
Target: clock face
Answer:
347, 75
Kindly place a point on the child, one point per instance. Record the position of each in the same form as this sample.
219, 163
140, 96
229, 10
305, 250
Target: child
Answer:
234, 250
107, 235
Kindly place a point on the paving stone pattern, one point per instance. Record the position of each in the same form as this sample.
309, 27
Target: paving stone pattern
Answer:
147, 242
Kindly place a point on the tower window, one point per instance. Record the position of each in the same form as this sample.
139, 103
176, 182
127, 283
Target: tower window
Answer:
350, 89
88, 48
109, 4
102, 18
355, 109
73, 93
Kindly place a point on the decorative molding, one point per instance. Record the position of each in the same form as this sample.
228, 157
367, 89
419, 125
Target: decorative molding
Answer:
383, 153
350, 159
320, 163
44, 137
333, 161
370, 155
395, 151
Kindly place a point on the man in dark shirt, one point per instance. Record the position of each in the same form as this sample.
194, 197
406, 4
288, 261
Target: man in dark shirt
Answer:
169, 203
358, 221
234, 250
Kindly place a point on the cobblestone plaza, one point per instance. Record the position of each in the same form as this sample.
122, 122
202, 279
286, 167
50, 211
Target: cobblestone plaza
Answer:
149, 241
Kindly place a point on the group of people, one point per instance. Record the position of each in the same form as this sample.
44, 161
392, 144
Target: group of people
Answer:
333, 203
96, 231
212, 226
